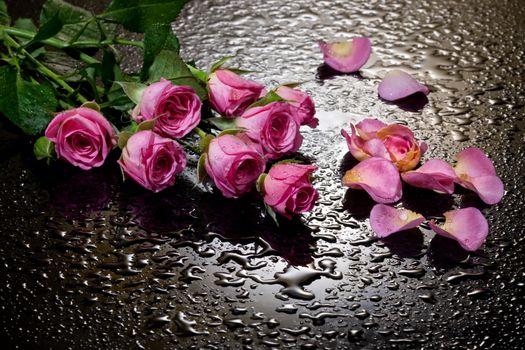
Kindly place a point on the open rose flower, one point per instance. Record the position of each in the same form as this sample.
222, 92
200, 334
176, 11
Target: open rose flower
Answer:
476, 172
175, 109
287, 189
82, 137
230, 94
373, 138
273, 127
346, 56
234, 164
152, 161
303, 106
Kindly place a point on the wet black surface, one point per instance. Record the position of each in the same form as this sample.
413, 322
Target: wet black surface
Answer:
89, 262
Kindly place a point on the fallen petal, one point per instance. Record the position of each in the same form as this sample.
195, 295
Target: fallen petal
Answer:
386, 220
476, 172
467, 226
377, 176
345, 56
397, 85
435, 174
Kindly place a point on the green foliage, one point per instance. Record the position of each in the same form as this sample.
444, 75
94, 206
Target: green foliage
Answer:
28, 105
169, 65
223, 123
201, 169
157, 37
4, 17
133, 90
270, 97
43, 148
139, 15
260, 183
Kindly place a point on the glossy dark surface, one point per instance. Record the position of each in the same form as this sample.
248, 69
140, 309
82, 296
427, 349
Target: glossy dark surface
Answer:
89, 262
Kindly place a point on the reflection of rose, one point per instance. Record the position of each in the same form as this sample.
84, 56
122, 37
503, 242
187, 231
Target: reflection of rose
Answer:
80, 192
373, 138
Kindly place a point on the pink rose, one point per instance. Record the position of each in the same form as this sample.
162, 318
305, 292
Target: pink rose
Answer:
152, 161
287, 189
234, 164
82, 137
177, 109
373, 138
303, 107
273, 127
230, 94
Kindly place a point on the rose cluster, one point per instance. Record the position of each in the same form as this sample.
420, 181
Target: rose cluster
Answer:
264, 129
390, 153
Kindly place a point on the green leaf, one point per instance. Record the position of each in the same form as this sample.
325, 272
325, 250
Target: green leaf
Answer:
294, 84
260, 183
271, 213
204, 143
169, 65
133, 90
220, 63
231, 131
270, 97
4, 16
158, 37
107, 71
47, 30
199, 74
146, 125
123, 138
25, 24
138, 15
241, 71
43, 148
290, 161
223, 123
78, 23
29, 106
92, 105
201, 169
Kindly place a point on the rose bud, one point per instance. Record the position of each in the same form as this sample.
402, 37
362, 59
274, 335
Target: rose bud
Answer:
303, 107
176, 109
287, 189
82, 137
273, 127
234, 164
373, 138
152, 161
230, 94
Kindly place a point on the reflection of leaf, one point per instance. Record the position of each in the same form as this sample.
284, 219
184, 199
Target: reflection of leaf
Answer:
29, 106
158, 37
169, 65
4, 17
138, 15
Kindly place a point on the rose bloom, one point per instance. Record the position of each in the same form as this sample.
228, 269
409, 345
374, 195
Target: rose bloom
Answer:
303, 106
152, 161
234, 164
176, 109
288, 190
230, 94
273, 127
82, 137
373, 138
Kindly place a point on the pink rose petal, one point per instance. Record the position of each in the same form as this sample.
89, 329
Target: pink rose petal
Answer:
346, 57
368, 128
467, 226
476, 172
435, 174
377, 176
397, 85
386, 220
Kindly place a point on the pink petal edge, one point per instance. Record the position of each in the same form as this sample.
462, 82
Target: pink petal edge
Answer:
467, 226
397, 85
385, 220
346, 57
435, 174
